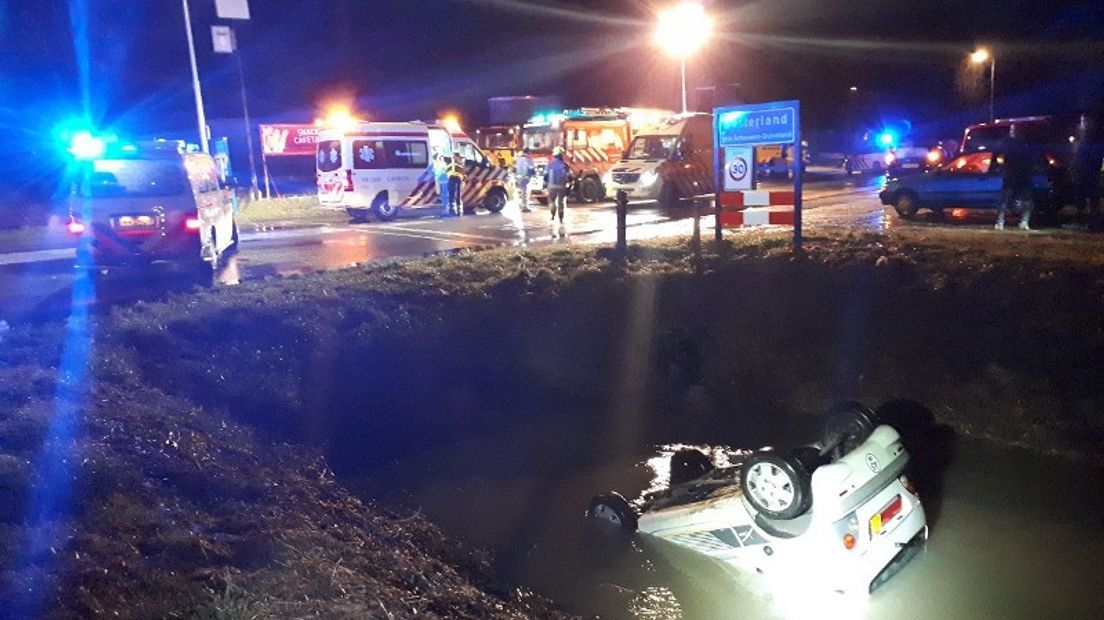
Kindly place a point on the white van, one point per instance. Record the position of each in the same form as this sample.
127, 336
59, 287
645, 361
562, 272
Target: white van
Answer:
666, 161
152, 202
380, 168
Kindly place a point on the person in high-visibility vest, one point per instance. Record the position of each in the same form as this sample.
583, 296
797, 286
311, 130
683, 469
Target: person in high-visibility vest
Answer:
440, 173
456, 183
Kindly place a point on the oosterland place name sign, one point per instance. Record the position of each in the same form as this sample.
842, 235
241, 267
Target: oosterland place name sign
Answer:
736, 131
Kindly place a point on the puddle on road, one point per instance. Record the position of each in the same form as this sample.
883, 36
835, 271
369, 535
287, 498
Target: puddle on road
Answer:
1013, 536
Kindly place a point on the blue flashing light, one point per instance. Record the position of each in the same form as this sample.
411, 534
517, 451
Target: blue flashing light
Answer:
887, 139
83, 146
129, 148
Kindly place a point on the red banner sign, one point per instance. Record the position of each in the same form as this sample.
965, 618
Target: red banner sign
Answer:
281, 140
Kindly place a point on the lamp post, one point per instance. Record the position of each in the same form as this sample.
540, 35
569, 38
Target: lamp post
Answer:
980, 57
201, 117
681, 31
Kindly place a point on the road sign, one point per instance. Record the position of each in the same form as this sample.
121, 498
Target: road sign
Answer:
223, 38
232, 9
750, 125
737, 130
738, 164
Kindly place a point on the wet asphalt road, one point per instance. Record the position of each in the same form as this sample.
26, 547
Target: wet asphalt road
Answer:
38, 285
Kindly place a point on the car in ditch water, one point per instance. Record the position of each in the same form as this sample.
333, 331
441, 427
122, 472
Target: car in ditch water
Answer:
840, 511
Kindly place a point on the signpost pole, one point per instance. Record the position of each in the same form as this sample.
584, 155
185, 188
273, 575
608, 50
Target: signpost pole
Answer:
253, 190
799, 156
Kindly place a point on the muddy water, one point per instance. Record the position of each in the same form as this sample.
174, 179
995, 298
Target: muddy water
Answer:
1012, 535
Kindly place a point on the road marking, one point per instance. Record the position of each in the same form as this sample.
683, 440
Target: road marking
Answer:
36, 256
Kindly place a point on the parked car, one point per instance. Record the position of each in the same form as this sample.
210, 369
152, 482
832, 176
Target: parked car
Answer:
840, 510
968, 181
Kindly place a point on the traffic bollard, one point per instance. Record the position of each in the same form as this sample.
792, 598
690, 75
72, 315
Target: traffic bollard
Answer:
622, 217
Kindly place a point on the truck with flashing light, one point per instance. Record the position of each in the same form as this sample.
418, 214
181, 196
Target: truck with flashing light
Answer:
136, 204
593, 139
499, 142
667, 161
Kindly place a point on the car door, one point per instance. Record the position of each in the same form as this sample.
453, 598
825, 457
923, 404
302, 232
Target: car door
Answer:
963, 182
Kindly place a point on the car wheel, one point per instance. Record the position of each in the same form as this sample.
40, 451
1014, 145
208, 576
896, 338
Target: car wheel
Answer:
847, 425
906, 205
668, 195
384, 210
495, 201
775, 486
687, 465
590, 190
612, 508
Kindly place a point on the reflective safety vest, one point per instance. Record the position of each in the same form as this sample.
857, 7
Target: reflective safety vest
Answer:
456, 170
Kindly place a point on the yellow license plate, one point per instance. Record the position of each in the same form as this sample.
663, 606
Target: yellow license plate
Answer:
875, 524
136, 221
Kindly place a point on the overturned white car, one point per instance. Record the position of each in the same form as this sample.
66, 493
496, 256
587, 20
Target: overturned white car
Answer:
840, 511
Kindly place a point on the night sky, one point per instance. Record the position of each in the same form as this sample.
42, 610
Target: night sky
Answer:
411, 59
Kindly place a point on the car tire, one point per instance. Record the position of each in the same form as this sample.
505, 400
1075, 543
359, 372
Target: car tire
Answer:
384, 211
495, 200
591, 190
775, 486
668, 195
847, 425
687, 465
614, 509
906, 205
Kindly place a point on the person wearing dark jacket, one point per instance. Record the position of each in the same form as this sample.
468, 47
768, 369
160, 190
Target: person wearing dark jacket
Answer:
1085, 170
1018, 161
558, 177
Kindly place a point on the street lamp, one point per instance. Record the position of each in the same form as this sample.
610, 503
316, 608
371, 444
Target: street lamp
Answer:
981, 56
682, 30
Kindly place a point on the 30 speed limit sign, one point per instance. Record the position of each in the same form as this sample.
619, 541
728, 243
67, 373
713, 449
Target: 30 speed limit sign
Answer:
738, 164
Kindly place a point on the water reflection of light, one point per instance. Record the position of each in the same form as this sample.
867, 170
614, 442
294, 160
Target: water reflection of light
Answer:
656, 603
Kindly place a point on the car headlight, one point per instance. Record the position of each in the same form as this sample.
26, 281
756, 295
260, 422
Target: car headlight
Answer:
649, 177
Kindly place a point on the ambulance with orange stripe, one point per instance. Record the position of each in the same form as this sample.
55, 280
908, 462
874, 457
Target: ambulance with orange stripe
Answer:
593, 139
668, 160
381, 168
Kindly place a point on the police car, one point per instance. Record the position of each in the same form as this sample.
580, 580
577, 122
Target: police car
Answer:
137, 204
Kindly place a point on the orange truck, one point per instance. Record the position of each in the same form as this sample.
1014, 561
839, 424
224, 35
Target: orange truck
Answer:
593, 139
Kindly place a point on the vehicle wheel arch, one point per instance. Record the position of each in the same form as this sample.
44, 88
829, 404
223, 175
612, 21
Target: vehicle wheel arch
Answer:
382, 207
906, 202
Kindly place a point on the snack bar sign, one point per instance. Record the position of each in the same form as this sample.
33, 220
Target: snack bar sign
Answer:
754, 125
286, 140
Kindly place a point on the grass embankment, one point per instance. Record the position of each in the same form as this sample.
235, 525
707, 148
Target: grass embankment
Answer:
179, 504
266, 211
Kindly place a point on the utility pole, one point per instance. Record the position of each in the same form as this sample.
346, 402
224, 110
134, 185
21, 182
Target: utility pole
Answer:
254, 191
201, 116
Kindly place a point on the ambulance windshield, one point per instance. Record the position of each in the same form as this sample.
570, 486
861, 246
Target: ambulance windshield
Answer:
651, 147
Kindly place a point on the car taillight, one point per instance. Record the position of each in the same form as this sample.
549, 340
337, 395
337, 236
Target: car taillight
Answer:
192, 224
348, 180
909, 486
74, 227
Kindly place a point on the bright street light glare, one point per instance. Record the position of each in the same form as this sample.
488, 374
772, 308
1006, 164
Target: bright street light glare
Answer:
338, 116
980, 56
683, 29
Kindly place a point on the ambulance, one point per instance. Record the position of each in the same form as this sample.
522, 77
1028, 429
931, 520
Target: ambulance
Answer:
379, 169
593, 139
668, 160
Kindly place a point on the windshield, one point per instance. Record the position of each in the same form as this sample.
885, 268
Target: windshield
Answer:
133, 178
329, 155
974, 163
540, 138
651, 147
496, 141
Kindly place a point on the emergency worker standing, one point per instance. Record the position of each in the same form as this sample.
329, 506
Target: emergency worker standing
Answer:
558, 179
456, 183
523, 174
440, 173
